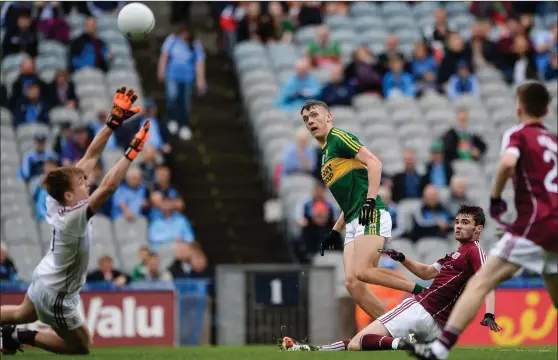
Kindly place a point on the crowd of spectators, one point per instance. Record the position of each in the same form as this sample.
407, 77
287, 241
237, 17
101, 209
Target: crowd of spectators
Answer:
442, 61
147, 191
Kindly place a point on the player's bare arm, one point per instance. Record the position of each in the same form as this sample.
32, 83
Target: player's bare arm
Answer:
374, 168
116, 174
340, 223
121, 110
422, 271
504, 171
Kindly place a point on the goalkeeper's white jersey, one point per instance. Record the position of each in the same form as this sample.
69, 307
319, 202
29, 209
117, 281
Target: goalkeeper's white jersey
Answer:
63, 269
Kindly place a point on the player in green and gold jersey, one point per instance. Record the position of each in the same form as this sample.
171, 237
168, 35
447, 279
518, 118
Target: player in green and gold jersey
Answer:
352, 174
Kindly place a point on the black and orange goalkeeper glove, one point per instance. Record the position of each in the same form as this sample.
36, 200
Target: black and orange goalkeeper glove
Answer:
122, 107
136, 145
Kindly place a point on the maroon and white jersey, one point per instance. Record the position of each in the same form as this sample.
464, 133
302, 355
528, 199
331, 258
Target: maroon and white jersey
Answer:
535, 183
455, 269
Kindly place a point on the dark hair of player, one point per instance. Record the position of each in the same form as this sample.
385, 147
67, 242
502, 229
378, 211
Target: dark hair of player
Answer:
534, 97
312, 104
58, 181
475, 212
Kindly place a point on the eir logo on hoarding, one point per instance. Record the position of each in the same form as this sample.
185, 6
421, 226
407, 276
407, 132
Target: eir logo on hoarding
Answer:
123, 318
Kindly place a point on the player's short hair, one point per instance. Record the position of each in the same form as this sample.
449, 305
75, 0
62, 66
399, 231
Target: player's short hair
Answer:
534, 97
60, 180
312, 104
476, 212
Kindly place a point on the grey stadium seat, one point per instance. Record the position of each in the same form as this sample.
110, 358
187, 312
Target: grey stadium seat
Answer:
305, 35
296, 182
52, 48
366, 101
28, 131
11, 62
88, 75
50, 62
363, 8
61, 114
166, 253
111, 157
406, 208
26, 257
248, 48
373, 116
431, 249
20, 230
404, 245
6, 116
336, 22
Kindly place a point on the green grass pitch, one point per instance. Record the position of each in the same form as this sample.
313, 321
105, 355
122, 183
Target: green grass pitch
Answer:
271, 353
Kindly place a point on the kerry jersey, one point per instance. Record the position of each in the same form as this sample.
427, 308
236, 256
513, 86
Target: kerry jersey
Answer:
346, 177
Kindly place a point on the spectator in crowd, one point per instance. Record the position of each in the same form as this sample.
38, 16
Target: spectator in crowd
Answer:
458, 195
422, 61
338, 91
337, 8
22, 39
397, 81
99, 123
32, 164
104, 8
463, 82
153, 270
308, 13
316, 218
551, 71
63, 138
148, 165
88, 50
299, 156
524, 63
3, 96
62, 90
32, 108
8, 271
11, 11
438, 32
363, 72
460, 142
51, 22
406, 184
130, 199
27, 76
497, 11
39, 193
431, 219
484, 52
181, 65
544, 43
392, 52
510, 30
283, 27
162, 190
322, 51
190, 262
254, 25
301, 87
158, 133
139, 270
397, 223
428, 83
106, 273
94, 180
76, 147
438, 170
455, 53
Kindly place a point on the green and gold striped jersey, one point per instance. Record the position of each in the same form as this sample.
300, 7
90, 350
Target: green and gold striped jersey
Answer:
345, 176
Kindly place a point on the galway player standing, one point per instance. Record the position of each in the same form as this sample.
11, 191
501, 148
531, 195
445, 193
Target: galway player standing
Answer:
353, 173
529, 156
425, 314
53, 296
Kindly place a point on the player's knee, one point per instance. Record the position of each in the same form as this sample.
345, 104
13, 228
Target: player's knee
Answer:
351, 283
81, 349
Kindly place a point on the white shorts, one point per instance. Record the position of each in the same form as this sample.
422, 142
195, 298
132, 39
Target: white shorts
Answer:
381, 226
58, 311
525, 253
410, 317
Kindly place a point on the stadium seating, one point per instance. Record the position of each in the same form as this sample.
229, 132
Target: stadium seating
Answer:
385, 126
28, 240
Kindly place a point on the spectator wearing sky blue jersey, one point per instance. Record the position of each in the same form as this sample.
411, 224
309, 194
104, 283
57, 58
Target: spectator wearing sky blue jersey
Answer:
88, 50
397, 80
40, 194
163, 190
158, 132
463, 82
422, 61
8, 271
182, 61
170, 226
301, 87
32, 164
130, 199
